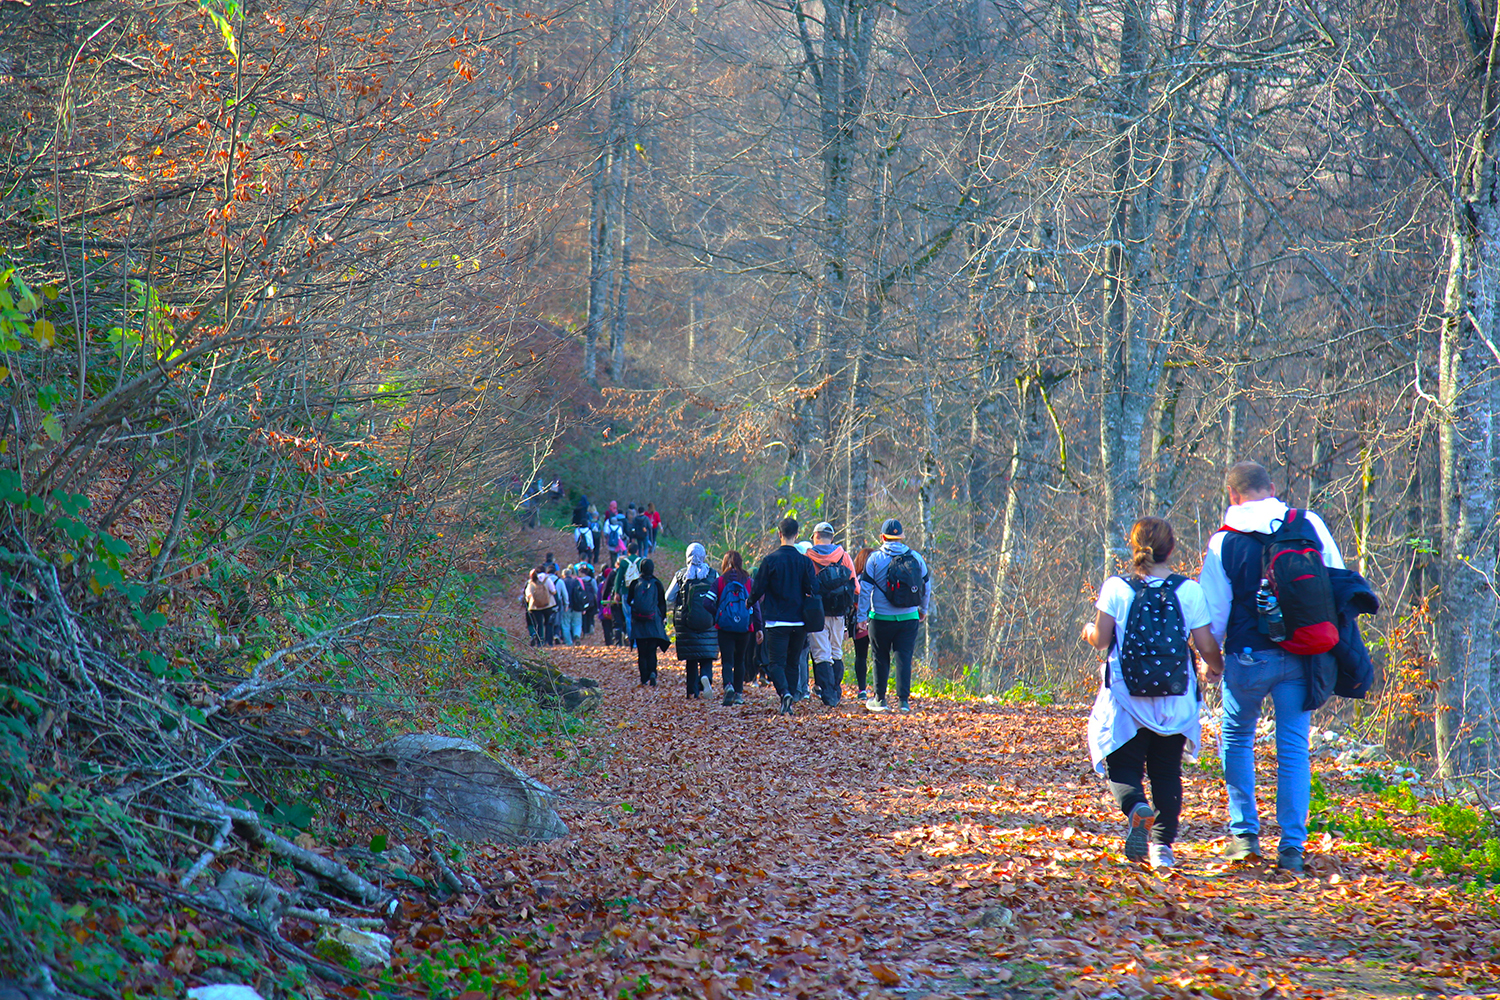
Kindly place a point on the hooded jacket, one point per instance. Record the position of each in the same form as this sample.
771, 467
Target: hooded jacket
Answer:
872, 602
1352, 596
693, 645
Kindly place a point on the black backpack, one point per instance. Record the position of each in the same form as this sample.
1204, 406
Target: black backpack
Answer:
1292, 560
644, 605
1154, 655
640, 528
694, 611
904, 586
836, 584
576, 599
590, 594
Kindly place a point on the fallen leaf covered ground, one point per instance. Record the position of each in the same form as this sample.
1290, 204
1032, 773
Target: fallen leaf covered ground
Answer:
965, 849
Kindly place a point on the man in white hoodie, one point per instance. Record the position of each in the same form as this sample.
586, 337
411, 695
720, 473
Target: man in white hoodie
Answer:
1255, 667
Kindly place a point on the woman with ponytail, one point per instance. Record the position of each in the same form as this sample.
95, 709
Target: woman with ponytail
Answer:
1134, 735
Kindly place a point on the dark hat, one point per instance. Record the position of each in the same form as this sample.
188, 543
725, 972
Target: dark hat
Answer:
891, 529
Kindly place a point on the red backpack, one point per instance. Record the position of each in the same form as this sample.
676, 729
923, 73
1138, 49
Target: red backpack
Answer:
1292, 561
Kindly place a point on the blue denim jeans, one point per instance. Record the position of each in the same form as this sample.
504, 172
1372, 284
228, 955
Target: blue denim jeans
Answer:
1248, 678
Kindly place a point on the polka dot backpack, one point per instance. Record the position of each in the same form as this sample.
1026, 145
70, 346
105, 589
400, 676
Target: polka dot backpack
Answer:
1154, 646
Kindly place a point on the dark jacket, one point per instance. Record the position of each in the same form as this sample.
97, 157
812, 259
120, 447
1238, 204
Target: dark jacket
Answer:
694, 645
653, 629
1352, 596
782, 579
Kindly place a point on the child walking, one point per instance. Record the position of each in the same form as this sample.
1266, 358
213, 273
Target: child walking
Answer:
1145, 716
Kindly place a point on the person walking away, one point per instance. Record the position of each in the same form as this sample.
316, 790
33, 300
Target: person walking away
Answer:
653, 521
609, 609
596, 527
638, 530
614, 535
583, 542
1145, 716
783, 581
692, 596
892, 608
1256, 665
629, 570
581, 513
559, 599
736, 622
860, 630
572, 610
540, 602
549, 564
839, 589
590, 596
647, 608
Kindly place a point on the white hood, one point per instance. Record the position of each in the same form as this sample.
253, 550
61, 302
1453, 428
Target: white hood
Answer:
1256, 515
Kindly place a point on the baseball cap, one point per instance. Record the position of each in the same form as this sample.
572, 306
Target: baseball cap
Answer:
823, 528
892, 529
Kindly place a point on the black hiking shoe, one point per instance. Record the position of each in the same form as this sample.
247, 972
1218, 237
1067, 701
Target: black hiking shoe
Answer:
1289, 859
787, 701
728, 697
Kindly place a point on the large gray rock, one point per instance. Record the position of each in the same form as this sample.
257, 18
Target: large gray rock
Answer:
473, 796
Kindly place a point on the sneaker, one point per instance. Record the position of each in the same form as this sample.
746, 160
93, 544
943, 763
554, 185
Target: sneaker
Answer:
705, 684
728, 697
1161, 856
1137, 830
1289, 859
876, 705
739, 698
906, 706
864, 695
786, 704
1242, 847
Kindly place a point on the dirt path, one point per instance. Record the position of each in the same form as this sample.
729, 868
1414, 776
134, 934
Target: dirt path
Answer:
963, 850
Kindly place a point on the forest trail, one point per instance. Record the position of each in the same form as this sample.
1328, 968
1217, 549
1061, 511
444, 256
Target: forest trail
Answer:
965, 849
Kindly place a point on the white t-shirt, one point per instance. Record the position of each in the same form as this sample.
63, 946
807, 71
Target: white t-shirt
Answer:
1117, 714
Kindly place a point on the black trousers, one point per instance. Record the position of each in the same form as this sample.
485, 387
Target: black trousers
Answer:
609, 630
645, 660
536, 624
1150, 753
696, 670
899, 638
861, 660
736, 650
784, 645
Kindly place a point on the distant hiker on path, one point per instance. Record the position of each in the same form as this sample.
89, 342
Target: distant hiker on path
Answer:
860, 630
1247, 617
783, 580
1145, 715
541, 604
646, 606
893, 599
840, 592
692, 596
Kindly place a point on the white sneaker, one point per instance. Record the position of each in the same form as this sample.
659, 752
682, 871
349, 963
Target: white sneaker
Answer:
1161, 856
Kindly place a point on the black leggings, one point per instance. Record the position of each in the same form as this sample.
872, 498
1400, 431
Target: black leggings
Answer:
645, 660
736, 650
861, 659
1161, 758
536, 622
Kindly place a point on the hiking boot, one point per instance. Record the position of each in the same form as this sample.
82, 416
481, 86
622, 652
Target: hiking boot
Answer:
1242, 847
1289, 859
1137, 830
787, 701
1161, 856
729, 697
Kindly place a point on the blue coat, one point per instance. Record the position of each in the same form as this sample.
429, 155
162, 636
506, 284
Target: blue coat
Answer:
1345, 670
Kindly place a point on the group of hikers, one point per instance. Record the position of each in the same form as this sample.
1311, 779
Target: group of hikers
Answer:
608, 536
788, 621
1271, 615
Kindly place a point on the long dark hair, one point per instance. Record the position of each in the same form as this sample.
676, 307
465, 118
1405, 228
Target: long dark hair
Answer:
860, 559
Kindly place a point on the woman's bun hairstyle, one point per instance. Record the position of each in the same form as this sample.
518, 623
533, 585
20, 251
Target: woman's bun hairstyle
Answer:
1151, 541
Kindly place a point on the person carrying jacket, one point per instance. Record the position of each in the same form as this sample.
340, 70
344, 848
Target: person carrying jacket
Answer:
696, 649
827, 646
783, 580
893, 628
646, 607
1255, 667
541, 603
